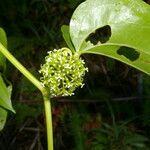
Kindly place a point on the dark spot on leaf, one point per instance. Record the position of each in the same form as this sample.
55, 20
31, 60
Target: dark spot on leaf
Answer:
129, 53
101, 35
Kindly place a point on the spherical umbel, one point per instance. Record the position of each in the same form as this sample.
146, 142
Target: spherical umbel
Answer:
62, 72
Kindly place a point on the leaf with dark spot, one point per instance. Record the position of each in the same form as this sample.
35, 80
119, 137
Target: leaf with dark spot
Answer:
129, 53
101, 35
103, 26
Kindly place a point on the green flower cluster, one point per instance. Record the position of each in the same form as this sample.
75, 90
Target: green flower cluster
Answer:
62, 72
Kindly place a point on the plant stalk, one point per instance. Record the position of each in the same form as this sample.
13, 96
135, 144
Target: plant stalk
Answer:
37, 83
48, 112
20, 67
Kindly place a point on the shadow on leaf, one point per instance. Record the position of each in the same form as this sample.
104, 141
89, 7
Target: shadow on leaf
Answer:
101, 35
129, 53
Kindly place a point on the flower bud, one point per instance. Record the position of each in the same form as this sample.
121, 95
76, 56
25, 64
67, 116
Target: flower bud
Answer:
62, 72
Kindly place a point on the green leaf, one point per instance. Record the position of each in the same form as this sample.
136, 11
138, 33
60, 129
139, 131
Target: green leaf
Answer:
136, 140
129, 25
5, 94
3, 40
142, 63
3, 117
66, 36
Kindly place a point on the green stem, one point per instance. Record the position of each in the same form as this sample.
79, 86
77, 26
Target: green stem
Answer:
20, 67
38, 84
48, 113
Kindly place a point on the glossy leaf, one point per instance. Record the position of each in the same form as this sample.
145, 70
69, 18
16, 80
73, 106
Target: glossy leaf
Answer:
129, 23
112, 51
3, 40
3, 116
66, 36
5, 94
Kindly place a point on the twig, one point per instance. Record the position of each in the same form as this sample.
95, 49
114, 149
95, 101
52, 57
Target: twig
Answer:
34, 142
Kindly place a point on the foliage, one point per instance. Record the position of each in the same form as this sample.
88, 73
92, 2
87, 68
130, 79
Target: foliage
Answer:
5, 94
3, 116
5, 101
37, 19
3, 40
77, 130
123, 22
75, 122
83, 129
100, 28
127, 139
